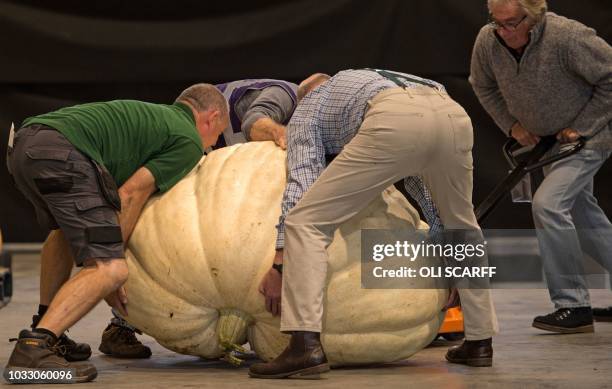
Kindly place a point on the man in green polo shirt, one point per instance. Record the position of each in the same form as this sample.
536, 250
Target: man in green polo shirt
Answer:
69, 164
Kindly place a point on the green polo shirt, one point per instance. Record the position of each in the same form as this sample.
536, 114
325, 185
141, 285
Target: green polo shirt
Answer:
125, 135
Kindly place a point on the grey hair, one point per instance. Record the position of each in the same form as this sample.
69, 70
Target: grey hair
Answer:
203, 97
535, 9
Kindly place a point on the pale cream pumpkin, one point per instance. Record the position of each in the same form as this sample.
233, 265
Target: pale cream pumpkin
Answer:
199, 252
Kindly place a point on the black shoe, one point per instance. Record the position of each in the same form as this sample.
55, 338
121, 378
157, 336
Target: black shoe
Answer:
602, 314
566, 321
121, 342
304, 357
477, 353
68, 348
39, 352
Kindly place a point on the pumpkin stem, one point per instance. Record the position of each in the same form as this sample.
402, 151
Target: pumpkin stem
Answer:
232, 332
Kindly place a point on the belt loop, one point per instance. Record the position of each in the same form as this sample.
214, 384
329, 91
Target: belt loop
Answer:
11, 139
9, 149
440, 93
408, 91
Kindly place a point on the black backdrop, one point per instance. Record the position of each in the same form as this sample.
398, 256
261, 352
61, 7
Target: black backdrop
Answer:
63, 52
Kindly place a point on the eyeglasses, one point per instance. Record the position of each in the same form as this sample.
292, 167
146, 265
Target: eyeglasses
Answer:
510, 27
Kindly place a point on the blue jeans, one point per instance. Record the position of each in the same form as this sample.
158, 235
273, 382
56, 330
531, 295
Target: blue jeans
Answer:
569, 223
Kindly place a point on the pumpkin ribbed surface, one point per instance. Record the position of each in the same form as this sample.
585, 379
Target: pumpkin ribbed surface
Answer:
199, 252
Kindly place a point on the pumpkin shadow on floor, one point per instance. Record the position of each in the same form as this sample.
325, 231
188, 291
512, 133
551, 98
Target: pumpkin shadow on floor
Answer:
178, 361
394, 368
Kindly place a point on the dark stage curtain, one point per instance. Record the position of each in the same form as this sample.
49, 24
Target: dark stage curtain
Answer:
64, 52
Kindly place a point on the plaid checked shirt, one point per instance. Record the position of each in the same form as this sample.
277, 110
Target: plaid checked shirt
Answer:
323, 123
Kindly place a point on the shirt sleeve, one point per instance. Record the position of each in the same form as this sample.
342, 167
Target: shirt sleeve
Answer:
305, 162
274, 103
485, 85
589, 57
173, 163
418, 191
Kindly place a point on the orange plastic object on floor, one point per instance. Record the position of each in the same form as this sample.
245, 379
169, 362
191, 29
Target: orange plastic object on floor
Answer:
453, 321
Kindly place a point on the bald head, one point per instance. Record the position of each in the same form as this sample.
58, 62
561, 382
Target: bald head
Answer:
210, 111
310, 83
203, 97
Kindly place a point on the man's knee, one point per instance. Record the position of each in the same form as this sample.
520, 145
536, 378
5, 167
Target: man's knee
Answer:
298, 221
115, 270
307, 228
538, 205
549, 210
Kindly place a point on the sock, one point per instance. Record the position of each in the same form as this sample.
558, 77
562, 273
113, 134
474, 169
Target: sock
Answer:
42, 309
36, 318
46, 332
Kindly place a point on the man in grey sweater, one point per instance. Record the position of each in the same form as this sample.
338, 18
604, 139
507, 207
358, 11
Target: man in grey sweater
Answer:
537, 73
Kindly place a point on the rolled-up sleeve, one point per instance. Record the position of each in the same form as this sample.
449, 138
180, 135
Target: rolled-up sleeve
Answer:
274, 103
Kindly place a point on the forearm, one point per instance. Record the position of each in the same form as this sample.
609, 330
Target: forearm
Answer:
134, 195
131, 207
278, 257
265, 129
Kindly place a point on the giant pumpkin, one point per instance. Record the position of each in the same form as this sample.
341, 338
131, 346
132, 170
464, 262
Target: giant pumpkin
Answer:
199, 252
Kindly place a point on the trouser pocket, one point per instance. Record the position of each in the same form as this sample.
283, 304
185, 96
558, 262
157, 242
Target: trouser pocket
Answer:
50, 170
92, 211
462, 132
108, 186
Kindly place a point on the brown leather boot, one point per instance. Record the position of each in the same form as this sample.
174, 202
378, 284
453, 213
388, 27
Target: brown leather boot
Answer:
38, 351
121, 342
478, 353
304, 357
68, 348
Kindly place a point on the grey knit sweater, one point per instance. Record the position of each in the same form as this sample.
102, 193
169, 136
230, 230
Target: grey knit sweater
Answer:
564, 79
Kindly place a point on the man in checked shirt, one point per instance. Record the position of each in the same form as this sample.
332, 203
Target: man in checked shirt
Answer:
383, 132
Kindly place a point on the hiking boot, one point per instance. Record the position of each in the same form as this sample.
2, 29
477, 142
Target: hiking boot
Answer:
69, 349
602, 314
121, 342
566, 321
304, 357
38, 351
476, 353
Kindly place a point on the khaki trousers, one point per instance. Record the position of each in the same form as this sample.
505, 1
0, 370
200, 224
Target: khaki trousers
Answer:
405, 132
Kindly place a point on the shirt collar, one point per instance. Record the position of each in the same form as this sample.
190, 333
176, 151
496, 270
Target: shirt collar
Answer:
535, 34
185, 108
537, 30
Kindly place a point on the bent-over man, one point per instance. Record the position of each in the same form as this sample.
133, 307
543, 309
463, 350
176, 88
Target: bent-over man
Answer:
69, 163
383, 132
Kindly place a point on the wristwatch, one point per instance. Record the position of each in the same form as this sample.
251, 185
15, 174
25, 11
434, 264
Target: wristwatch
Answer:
278, 267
